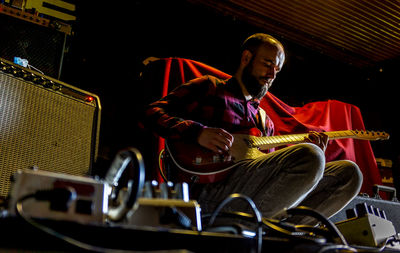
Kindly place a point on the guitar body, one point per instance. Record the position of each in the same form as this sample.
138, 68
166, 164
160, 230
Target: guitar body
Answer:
200, 165
205, 166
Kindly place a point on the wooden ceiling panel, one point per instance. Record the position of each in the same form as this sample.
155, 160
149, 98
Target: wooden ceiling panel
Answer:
361, 33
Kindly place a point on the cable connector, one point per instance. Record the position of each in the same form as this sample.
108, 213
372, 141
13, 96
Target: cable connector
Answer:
21, 62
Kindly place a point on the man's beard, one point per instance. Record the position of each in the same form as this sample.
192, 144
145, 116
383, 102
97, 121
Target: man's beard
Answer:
253, 86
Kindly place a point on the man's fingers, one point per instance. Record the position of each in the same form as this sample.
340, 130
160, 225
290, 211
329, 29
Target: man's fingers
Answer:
214, 148
227, 135
319, 139
222, 145
216, 139
217, 147
222, 138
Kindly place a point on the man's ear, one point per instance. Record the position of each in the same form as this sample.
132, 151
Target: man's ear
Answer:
246, 57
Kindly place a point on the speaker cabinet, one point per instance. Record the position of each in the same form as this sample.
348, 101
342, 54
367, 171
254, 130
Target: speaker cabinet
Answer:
42, 46
45, 123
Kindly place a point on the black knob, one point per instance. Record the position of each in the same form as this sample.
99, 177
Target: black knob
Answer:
362, 209
351, 213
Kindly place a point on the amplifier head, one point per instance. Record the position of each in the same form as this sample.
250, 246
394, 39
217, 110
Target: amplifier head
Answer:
45, 123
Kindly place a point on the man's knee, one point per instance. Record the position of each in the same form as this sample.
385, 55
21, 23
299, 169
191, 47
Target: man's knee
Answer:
314, 158
352, 173
348, 173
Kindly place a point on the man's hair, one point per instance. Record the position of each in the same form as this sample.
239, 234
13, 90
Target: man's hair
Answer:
253, 42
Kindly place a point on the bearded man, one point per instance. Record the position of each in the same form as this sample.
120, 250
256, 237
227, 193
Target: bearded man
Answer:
208, 112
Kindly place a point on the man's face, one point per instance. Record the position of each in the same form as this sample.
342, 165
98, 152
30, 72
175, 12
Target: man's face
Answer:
261, 71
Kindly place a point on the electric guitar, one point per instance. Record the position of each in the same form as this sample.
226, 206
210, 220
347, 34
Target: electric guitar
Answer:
205, 166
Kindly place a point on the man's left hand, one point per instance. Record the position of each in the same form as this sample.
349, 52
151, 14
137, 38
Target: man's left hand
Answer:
319, 139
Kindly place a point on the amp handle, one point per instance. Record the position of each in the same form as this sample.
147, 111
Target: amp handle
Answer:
377, 188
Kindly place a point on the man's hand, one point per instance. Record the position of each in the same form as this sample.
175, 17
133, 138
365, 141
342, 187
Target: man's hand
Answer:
319, 139
215, 139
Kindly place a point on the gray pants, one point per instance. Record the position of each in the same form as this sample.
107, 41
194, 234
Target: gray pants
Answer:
295, 175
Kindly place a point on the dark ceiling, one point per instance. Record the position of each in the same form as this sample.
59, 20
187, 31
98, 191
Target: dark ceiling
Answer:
360, 33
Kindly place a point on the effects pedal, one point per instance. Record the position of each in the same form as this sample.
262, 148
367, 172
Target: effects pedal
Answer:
57, 196
166, 205
366, 226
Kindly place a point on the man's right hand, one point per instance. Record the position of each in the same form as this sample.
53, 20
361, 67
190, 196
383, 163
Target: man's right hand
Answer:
215, 139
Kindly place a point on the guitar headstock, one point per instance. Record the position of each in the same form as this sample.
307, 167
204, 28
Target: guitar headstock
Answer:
370, 135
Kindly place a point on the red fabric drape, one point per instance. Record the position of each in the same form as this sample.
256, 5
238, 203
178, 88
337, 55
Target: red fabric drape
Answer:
331, 115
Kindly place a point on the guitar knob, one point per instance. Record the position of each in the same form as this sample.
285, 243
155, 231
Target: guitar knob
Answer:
228, 158
216, 158
198, 160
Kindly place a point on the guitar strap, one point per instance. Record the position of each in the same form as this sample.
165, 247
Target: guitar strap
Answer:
262, 119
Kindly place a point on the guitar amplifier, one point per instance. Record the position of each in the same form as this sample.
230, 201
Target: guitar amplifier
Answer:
42, 46
44, 123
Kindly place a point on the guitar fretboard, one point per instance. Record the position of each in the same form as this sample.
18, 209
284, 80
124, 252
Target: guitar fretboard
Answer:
273, 141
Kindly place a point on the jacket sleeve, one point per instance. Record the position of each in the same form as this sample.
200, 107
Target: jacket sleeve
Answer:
172, 116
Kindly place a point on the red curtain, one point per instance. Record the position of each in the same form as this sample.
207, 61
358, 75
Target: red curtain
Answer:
331, 115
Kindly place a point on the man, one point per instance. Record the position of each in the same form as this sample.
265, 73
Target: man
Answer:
208, 111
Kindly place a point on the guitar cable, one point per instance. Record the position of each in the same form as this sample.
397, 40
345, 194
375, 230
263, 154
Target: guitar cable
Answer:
257, 215
55, 195
162, 164
329, 232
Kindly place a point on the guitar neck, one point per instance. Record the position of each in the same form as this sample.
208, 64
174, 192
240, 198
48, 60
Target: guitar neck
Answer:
278, 140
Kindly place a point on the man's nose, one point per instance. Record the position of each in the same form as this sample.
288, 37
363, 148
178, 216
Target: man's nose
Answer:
271, 72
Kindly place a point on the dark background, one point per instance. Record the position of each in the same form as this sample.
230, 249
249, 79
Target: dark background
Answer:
110, 41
